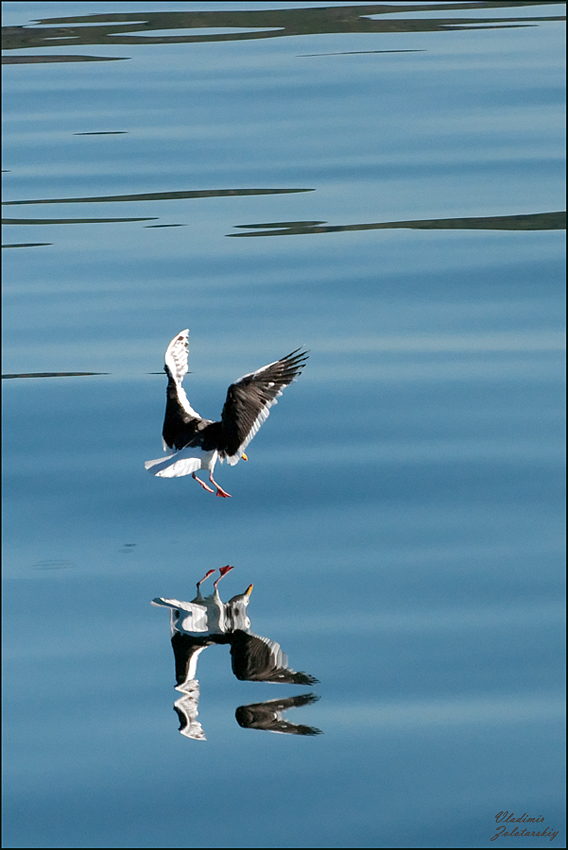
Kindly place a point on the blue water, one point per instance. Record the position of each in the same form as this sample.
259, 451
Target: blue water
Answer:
401, 515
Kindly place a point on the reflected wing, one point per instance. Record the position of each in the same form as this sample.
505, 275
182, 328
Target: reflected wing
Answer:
250, 398
259, 659
186, 709
187, 649
268, 715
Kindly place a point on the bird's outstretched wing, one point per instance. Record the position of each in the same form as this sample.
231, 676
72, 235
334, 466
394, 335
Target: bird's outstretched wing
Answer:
250, 398
180, 418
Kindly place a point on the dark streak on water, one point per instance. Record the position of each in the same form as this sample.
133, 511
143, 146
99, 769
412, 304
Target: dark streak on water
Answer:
534, 221
27, 245
53, 375
161, 196
73, 220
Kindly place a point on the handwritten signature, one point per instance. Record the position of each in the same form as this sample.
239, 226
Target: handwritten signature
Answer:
501, 831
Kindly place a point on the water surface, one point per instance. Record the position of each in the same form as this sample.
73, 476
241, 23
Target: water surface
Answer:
401, 513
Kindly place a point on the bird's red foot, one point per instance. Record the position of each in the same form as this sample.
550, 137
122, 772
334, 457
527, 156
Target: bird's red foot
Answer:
223, 572
207, 574
220, 491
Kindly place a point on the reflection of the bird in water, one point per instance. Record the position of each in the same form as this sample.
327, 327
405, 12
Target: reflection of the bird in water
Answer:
206, 621
268, 715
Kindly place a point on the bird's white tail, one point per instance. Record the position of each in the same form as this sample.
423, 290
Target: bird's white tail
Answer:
177, 464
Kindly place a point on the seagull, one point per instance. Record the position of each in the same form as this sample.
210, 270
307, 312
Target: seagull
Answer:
195, 443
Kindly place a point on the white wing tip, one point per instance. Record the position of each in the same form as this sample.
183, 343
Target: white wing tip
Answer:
183, 334
176, 355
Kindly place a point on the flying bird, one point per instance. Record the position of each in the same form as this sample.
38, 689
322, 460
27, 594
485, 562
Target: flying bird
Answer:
195, 443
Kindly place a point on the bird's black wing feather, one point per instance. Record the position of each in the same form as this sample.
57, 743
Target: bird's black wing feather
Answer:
258, 659
250, 398
180, 427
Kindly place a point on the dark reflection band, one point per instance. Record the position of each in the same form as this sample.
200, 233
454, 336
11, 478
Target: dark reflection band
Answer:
149, 27
529, 221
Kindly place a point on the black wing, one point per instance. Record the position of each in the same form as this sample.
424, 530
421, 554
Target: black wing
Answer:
250, 398
181, 422
268, 715
259, 659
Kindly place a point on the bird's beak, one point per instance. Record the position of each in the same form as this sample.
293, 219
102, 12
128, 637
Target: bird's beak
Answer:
248, 591
244, 457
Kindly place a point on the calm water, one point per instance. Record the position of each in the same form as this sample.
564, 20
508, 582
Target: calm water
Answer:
401, 514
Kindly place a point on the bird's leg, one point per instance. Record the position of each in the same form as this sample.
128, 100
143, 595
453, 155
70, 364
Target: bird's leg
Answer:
199, 597
220, 491
199, 481
223, 571
207, 574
